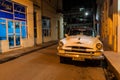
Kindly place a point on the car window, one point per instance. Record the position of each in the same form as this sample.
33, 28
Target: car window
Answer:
88, 32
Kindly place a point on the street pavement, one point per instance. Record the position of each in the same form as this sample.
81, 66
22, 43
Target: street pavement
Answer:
10, 55
44, 64
112, 57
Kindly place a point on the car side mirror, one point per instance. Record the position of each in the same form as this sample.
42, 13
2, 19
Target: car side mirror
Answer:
66, 35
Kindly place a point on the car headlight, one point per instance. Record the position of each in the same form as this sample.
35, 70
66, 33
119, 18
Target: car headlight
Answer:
60, 44
99, 46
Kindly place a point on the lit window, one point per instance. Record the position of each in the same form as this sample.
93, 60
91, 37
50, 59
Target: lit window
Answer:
23, 29
2, 29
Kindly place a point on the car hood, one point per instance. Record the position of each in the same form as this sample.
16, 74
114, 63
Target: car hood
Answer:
80, 40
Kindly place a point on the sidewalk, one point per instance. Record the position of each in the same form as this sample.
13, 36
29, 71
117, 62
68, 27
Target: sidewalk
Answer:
113, 62
4, 57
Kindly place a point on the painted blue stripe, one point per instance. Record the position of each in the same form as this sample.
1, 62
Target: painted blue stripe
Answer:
6, 15
20, 15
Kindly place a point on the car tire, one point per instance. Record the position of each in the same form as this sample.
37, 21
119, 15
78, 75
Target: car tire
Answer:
65, 60
99, 63
62, 59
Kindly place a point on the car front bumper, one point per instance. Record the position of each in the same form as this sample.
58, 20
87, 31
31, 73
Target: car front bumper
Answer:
82, 56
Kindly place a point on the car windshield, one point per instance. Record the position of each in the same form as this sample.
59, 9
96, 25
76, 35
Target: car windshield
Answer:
88, 32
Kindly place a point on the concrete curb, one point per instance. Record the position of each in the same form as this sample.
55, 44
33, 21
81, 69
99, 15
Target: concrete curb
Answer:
113, 67
16, 54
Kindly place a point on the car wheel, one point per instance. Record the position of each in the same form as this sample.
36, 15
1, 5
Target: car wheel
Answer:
99, 63
65, 60
62, 59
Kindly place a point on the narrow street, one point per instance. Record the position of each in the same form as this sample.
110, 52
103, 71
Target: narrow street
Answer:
44, 65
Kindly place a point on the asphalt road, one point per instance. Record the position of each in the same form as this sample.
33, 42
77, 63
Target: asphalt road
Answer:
44, 65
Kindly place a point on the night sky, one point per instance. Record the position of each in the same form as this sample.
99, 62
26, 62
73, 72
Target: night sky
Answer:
68, 4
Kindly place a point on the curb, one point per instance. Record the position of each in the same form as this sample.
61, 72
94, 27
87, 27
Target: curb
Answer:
19, 54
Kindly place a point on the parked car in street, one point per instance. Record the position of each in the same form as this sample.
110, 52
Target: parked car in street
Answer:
80, 44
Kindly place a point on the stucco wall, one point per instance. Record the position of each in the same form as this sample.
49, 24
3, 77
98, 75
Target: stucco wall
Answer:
49, 11
4, 47
110, 24
118, 31
61, 26
38, 25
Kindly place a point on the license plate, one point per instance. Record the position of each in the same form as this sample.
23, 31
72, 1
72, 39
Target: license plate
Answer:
78, 58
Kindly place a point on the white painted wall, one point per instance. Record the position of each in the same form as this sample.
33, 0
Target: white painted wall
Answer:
39, 26
118, 31
49, 11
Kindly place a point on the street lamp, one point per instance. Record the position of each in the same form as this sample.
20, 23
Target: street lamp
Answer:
86, 13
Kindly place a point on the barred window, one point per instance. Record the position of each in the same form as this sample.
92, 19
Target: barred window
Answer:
46, 29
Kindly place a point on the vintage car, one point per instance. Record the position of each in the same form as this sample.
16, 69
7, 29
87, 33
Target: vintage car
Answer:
80, 44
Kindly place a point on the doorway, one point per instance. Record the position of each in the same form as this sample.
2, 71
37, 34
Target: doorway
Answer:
58, 23
14, 33
35, 27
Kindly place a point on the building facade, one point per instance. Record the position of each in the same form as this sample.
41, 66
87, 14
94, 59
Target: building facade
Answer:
26, 23
110, 23
52, 20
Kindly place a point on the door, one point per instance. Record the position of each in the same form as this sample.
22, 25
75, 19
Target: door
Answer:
17, 33
13, 33
35, 28
58, 23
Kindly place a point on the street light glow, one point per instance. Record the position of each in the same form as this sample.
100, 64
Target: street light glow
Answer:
86, 13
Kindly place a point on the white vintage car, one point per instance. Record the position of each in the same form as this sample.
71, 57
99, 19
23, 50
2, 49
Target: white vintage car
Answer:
80, 44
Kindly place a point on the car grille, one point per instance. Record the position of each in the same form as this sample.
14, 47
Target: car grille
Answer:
76, 51
79, 49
